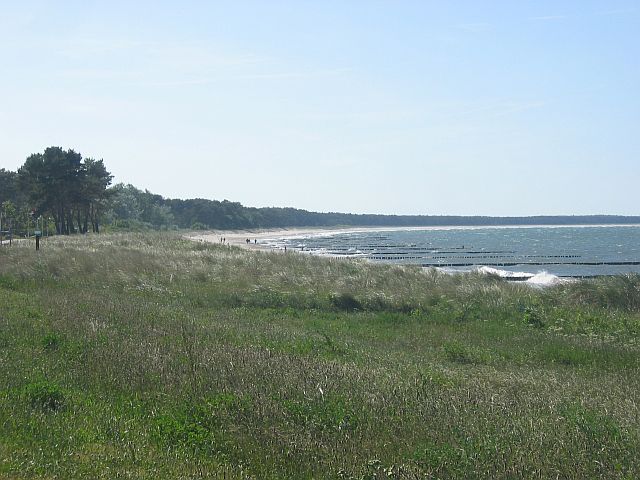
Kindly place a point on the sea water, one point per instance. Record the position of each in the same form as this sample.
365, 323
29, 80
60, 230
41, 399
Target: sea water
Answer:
532, 253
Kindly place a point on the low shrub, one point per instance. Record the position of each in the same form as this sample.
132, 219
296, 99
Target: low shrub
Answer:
51, 341
45, 395
345, 302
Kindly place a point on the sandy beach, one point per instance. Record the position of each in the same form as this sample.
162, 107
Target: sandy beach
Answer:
239, 238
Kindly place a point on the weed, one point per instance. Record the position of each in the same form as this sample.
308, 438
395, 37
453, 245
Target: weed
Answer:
533, 317
51, 341
199, 427
331, 412
459, 353
441, 458
46, 396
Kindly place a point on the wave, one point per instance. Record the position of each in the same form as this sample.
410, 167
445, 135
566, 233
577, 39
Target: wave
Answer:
539, 279
542, 279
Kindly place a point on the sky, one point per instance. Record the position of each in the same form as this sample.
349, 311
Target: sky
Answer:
397, 107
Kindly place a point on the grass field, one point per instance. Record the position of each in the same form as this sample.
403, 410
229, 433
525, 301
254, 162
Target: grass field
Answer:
149, 356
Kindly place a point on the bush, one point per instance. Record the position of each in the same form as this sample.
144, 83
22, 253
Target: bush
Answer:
346, 302
532, 317
51, 341
45, 395
201, 426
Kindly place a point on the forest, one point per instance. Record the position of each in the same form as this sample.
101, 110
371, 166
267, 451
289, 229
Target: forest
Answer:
60, 191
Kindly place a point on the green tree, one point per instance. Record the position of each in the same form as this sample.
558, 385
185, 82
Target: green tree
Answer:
124, 205
59, 183
9, 188
8, 213
93, 193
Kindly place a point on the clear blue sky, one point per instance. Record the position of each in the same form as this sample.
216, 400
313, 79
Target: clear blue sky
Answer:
407, 107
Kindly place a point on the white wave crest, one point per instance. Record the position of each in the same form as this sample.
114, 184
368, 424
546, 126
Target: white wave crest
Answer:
545, 279
540, 279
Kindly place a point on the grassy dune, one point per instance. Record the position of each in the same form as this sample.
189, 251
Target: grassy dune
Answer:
149, 356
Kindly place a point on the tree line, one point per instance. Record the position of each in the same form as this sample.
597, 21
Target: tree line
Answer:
71, 194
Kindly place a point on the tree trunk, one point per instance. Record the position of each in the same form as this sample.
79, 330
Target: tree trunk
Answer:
79, 220
70, 227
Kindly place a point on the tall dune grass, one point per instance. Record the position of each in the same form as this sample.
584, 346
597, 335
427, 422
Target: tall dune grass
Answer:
149, 356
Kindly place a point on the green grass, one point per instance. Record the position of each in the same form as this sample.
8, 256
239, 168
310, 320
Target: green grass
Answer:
149, 356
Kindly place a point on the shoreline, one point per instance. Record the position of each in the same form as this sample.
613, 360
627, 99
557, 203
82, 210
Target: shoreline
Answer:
267, 240
239, 238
